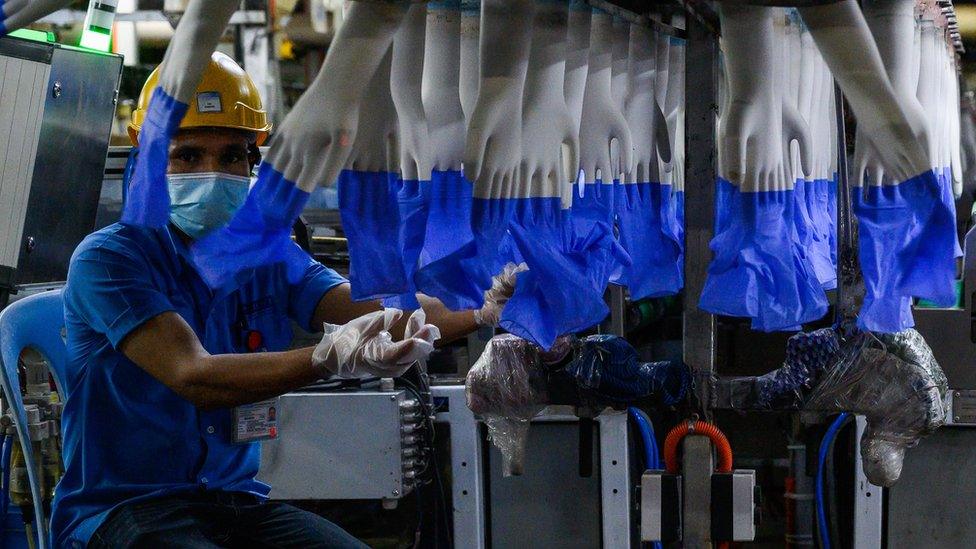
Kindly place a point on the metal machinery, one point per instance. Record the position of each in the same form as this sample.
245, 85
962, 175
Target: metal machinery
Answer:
582, 486
57, 104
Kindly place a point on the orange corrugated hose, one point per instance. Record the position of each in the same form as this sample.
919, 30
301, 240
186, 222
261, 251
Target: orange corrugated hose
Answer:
698, 428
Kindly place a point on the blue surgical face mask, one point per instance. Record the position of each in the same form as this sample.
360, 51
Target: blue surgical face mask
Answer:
202, 202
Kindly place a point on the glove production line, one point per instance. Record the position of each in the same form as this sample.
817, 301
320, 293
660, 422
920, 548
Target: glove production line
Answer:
720, 254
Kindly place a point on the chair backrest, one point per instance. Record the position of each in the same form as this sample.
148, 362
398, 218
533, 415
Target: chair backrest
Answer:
34, 322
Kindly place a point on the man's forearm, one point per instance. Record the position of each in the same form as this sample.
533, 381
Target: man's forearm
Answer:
337, 307
222, 381
453, 325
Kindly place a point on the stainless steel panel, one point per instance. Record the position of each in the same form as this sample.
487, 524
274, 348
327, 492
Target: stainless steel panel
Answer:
962, 407
550, 505
80, 106
931, 505
616, 490
743, 505
467, 467
22, 85
336, 446
868, 500
701, 110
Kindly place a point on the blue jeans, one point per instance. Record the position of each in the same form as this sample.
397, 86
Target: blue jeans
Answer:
217, 519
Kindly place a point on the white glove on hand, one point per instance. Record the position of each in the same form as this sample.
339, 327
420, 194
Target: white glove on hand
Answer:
502, 288
364, 347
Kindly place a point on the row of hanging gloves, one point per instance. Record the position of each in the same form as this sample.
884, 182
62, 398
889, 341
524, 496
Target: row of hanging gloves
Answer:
523, 94
776, 204
567, 90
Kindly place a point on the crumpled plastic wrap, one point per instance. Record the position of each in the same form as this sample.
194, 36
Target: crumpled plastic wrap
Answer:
514, 380
808, 355
507, 388
891, 379
896, 383
608, 372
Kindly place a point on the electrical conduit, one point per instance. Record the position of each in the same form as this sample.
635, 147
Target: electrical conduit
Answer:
698, 428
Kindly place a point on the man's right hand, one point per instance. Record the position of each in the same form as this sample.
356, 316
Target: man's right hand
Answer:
364, 346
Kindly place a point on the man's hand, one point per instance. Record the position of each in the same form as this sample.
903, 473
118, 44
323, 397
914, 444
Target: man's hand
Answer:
365, 347
502, 288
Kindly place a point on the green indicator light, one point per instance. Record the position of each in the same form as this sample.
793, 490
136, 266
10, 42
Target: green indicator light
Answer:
94, 40
98, 25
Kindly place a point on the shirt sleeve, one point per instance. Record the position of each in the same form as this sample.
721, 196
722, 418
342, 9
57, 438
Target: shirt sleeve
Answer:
113, 291
305, 295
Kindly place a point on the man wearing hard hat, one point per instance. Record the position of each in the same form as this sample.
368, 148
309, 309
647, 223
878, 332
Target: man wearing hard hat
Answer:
160, 367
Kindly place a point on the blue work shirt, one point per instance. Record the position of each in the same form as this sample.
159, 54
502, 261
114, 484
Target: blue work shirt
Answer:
126, 435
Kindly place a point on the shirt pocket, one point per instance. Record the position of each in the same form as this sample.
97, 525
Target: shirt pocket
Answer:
266, 328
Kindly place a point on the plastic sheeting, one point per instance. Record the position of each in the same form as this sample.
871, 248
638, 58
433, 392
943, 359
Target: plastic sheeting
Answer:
893, 380
808, 356
507, 388
514, 380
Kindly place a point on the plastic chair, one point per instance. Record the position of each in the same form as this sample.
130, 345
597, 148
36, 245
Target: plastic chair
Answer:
33, 322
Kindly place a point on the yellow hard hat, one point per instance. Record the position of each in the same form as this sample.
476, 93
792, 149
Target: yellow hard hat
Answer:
225, 98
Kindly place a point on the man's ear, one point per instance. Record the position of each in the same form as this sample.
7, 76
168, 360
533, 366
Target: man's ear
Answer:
253, 155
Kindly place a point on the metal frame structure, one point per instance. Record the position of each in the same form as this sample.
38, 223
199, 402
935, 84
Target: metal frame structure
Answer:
468, 471
699, 338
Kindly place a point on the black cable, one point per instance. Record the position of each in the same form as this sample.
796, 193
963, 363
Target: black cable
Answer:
430, 453
418, 532
830, 478
448, 535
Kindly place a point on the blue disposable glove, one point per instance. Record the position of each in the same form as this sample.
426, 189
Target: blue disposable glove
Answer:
147, 198
562, 292
811, 227
930, 272
413, 198
369, 211
448, 240
258, 234
594, 205
828, 189
884, 225
757, 271
647, 233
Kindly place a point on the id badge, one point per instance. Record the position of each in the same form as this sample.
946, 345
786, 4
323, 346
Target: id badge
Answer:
257, 421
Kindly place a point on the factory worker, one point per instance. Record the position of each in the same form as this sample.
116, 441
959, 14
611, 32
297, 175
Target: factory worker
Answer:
162, 370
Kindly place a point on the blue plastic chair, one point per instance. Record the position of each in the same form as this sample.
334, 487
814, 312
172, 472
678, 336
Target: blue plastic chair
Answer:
34, 322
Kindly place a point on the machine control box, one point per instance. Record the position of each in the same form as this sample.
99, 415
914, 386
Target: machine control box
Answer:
734, 506
660, 498
343, 445
57, 106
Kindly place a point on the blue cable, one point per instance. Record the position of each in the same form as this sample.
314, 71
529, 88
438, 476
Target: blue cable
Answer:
652, 459
8, 445
822, 458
